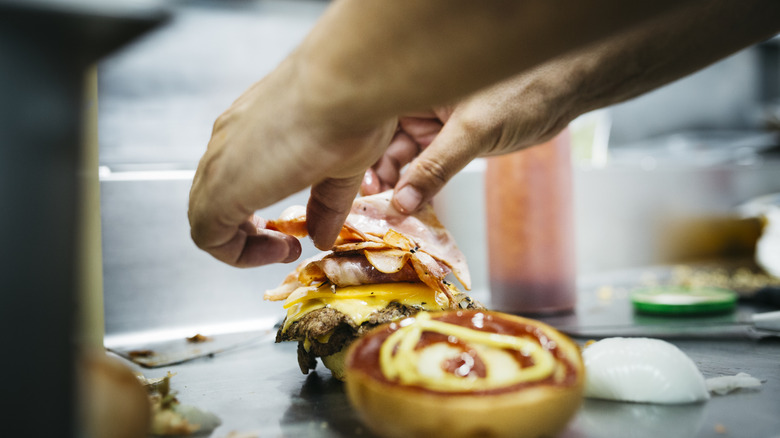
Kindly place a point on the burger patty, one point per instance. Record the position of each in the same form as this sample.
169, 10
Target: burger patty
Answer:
339, 330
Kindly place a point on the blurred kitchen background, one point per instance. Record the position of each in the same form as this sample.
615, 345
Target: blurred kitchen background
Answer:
657, 179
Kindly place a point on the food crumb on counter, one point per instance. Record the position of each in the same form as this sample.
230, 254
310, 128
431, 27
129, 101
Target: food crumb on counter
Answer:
140, 353
725, 384
237, 434
198, 338
719, 428
169, 417
605, 293
588, 343
740, 278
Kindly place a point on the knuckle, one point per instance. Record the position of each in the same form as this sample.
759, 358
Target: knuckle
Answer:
432, 170
223, 120
195, 234
395, 164
323, 206
488, 132
480, 123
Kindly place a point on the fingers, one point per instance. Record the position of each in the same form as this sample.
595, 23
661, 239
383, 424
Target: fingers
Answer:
450, 151
227, 230
329, 205
422, 130
268, 247
253, 246
371, 184
400, 152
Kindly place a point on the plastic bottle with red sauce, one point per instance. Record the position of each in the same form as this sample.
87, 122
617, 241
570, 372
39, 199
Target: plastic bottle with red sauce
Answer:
531, 255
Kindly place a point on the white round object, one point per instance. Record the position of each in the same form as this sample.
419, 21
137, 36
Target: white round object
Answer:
768, 245
641, 370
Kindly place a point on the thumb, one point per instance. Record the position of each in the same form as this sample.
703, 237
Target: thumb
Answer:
452, 149
328, 207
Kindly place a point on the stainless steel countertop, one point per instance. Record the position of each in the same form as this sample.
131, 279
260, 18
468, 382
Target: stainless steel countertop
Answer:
258, 388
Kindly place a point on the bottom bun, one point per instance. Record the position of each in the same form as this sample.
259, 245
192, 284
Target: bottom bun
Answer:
112, 402
335, 363
391, 409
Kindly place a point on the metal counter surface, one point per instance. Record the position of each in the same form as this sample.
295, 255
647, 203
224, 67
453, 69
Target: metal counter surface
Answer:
258, 388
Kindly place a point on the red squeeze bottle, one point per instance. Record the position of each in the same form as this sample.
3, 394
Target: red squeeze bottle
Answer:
530, 231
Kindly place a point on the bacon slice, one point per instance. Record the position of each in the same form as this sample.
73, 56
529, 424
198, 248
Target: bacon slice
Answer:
291, 282
377, 244
375, 215
356, 270
387, 260
292, 221
340, 270
371, 217
357, 246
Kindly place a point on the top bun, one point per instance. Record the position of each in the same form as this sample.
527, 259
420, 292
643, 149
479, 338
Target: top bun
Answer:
463, 374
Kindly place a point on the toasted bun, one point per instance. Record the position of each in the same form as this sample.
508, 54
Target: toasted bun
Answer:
335, 363
392, 409
112, 402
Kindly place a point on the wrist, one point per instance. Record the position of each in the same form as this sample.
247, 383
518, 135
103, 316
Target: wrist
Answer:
562, 94
547, 99
329, 94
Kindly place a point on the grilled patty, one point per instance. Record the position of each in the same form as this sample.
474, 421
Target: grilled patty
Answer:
337, 330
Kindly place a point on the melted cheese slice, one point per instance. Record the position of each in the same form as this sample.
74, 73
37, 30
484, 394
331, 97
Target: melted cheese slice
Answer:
360, 302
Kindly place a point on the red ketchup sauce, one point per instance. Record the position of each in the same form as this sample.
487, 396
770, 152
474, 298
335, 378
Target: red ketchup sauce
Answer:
365, 358
530, 230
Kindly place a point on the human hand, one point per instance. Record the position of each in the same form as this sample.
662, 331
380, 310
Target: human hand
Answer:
506, 117
272, 142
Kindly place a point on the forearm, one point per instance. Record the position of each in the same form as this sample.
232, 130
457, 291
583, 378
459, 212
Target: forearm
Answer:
372, 59
662, 50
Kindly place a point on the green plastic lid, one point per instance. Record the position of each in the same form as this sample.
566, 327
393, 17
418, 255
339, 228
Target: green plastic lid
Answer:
681, 300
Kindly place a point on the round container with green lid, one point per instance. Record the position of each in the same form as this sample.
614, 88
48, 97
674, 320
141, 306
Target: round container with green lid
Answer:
681, 300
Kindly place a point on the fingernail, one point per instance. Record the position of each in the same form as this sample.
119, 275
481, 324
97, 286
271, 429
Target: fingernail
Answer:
321, 235
369, 184
294, 250
407, 199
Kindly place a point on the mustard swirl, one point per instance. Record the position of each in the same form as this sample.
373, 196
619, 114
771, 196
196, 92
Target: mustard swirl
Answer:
400, 360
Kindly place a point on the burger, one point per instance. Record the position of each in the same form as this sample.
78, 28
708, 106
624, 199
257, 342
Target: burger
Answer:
383, 267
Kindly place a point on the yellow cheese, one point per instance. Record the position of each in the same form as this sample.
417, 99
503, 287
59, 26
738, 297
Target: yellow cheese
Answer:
360, 302
400, 359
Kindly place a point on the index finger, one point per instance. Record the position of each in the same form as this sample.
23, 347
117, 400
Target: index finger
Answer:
251, 245
328, 208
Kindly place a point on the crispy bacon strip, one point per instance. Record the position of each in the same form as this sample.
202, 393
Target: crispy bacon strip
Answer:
375, 215
387, 260
340, 270
291, 282
371, 217
356, 270
292, 221
429, 270
377, 244
358, 246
